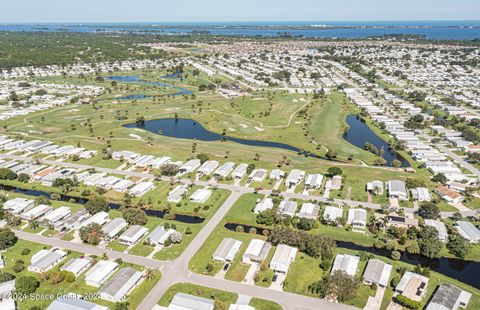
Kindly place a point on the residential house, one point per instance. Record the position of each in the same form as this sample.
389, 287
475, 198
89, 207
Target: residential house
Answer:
114, 227
227, 250
468, 231
412, 285
346, 263
309, 210
397, 189
449, 297
201, 195
121, 284
44, 260
132, 235
256, 251
182, 301
282, 258
263, 205
77, 265
99, 273
377, 272
358, 219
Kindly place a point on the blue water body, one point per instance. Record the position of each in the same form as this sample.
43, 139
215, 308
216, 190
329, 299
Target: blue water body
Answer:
436, 30
359, 133
183, 128
136, 79
134, 97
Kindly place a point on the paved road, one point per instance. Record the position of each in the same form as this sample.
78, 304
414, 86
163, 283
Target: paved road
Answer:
458, 159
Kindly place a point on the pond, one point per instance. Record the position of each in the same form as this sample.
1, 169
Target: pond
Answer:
184, 218
359, 133
136, 79
183, 128
464, 271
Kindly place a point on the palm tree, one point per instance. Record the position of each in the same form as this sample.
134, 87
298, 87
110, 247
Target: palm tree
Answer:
149, 273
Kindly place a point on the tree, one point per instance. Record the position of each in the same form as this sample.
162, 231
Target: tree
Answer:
428, 210
7, 238
23, 177
396, 163
7, 174
5, 276
26, 285
267, 217
429, 243
121, 305
96, 204
459, 246
307, 224
134, 216
169, 170
440, 178
203, 157
176, 237
91, 234
339, 286
335, 171
413, 183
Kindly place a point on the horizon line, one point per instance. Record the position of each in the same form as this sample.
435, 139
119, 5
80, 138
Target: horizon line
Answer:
244, 21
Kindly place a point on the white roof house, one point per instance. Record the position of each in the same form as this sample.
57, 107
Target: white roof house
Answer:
226, 250
257, 175
18, 205
263, 205
99, 218
332, 213
114, 227
313, 181
375, 186
201, 195
256, 251
421, 194
122, 283
57, 214
189, 166
377, 272
44, 260
357, 218
347, 263
288, 207
294, 177
240, 171
440, 227
99, 273
178, 193
122, 186
74, 304
159, 235
224, 170
182, 301
133, 234
77, 265
282, 258
412, 285
449, 297
141, 188
277, 174
309, 210
208, 167
36, 212
397, 189
6, 293
468, 231
93, 179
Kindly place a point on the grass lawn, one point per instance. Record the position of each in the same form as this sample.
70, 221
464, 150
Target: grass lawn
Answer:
298, 279
261, 304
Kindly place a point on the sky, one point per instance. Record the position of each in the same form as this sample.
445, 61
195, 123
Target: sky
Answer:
50, 11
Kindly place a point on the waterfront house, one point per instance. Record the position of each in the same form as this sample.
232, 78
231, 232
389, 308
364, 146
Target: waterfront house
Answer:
282, 258
226, 250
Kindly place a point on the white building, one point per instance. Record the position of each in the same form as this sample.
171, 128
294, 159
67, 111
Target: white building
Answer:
99, 273
346, 263
227, 250
282, 258
44, 260
132, 235
201, 195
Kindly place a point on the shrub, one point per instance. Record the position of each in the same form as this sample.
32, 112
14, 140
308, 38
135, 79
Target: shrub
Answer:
396, 255
407, 302
25, 251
